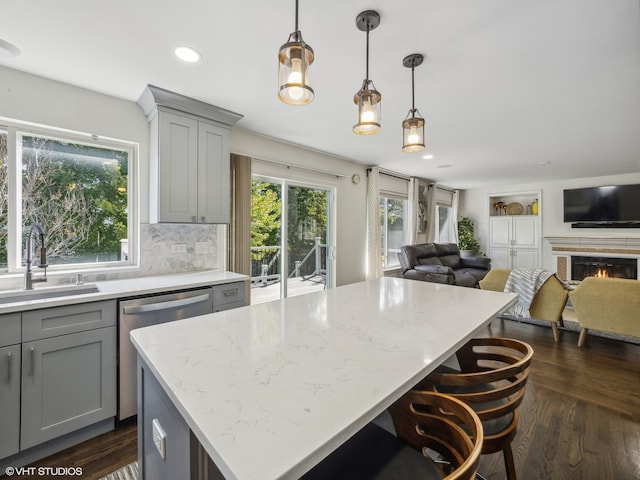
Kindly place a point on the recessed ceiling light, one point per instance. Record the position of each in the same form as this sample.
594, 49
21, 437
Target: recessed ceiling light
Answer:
428, 156
187, 54
8, 49
444, 165
544, 163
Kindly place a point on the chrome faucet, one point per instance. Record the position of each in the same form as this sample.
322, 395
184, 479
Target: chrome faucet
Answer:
28, 276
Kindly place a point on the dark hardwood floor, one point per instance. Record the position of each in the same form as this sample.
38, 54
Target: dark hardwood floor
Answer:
580, 418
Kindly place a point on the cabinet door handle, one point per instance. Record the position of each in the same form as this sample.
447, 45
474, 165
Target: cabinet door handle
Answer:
230, 293
31, 361
9, 367
202, 219
193, 218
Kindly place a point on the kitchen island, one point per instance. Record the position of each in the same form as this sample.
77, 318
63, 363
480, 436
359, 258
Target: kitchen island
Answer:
268, 391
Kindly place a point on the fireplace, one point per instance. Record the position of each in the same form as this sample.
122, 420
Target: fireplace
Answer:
583, 267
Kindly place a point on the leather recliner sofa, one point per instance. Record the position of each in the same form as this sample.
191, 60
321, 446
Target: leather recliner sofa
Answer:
442, 263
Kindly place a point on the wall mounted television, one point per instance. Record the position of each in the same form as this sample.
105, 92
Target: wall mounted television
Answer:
613, 205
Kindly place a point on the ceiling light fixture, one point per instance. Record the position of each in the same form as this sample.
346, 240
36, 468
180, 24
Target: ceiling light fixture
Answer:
367, 99
413, 125
187, 54
294, 59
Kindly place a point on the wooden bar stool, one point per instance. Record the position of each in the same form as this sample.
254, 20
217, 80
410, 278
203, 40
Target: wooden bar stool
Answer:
492, 378
438, 437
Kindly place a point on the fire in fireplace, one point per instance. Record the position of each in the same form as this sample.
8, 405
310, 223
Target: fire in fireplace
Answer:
583, 267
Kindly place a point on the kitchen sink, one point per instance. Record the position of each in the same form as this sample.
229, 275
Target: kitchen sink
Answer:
16, 296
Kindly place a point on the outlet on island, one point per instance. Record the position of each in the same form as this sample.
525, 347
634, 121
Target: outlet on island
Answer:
159, 438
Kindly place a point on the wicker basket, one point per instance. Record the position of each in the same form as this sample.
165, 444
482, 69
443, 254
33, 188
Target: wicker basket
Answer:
514, 208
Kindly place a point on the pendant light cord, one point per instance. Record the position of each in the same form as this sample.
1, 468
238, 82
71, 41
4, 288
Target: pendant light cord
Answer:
367, 56
296, 18
413, 91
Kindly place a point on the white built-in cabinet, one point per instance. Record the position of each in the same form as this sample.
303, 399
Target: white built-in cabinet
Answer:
515, 238
189, 167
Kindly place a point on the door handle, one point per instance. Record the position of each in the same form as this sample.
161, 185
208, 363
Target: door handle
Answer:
31, 362
9, 367
154, 307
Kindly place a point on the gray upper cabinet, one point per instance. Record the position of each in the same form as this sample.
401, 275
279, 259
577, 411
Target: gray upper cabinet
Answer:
189, 165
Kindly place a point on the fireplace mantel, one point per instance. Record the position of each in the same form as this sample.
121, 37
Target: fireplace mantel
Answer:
613, 245
564, 247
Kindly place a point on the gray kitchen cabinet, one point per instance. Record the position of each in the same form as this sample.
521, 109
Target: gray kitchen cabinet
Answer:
190, 160
193, 170
10, 384
163, 435
229, 295
68, 370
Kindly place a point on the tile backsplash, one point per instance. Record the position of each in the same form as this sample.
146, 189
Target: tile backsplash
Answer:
164, 249
172, 248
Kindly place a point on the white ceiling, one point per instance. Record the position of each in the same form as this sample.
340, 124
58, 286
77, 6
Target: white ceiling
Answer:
512, 91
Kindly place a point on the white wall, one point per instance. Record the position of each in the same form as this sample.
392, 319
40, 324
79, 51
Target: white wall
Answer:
475, 204
43, 101
350, 198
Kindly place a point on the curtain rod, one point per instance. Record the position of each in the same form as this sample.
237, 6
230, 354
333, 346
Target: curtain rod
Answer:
300, 167
441, 187
389, 173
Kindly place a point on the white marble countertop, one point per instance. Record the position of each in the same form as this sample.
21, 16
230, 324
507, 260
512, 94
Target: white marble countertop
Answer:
129, 287
271, 389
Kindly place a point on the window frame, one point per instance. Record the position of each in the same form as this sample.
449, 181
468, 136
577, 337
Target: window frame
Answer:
384, 232
15, 130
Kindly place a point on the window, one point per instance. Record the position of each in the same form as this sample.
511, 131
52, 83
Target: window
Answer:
393, 228
443, 225
4, 194
394, 217
77, 188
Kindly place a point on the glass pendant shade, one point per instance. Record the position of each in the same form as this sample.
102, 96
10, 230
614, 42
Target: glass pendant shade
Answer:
413, 132
368, 102
294, 59
367, 98
413, 125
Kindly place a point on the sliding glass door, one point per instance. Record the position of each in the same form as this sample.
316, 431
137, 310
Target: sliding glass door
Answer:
291, 249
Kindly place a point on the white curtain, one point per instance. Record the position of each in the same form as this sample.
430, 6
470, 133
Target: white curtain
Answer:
374, 253
414, 210
431, 214
453, 224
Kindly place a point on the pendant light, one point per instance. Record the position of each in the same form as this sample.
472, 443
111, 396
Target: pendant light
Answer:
413, 125
367, 98
294, 59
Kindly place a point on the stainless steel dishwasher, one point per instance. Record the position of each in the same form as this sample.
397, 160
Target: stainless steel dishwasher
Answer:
143, 312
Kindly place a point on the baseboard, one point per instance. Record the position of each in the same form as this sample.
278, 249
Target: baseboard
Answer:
572, 326
56, 445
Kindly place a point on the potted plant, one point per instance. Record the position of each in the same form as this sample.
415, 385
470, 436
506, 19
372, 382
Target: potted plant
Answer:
467, 242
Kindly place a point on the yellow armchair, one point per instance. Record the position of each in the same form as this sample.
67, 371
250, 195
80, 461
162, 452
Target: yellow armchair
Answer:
548, 303
607, 304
